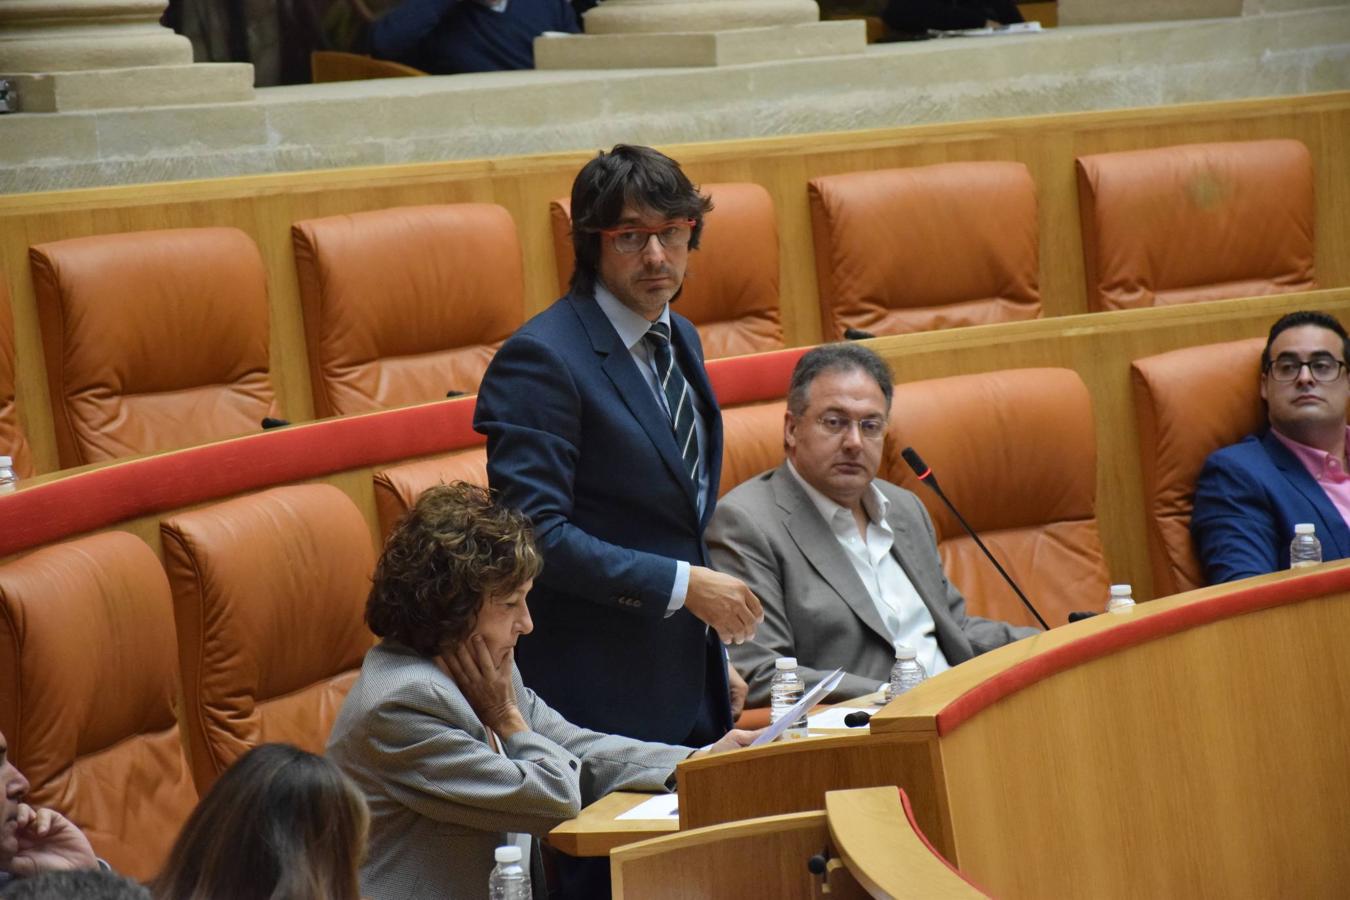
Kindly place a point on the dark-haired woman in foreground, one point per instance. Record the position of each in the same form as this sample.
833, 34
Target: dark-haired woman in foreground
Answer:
280, 824
454, 754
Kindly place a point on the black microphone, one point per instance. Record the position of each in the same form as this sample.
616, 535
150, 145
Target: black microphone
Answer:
927, 477
270, 422
857, 334
856, 719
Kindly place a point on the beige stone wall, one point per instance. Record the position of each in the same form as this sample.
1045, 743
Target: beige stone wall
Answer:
474, 116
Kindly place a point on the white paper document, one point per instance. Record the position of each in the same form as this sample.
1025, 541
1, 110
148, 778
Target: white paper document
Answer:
659, 806
813, 696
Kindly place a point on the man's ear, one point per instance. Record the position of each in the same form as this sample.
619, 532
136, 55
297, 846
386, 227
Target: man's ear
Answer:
789, 430
1263, 386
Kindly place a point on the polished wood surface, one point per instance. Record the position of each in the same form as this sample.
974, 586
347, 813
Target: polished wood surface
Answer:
1211, 761
764, 857
1207, 755
596, 831
870, 832
265, 206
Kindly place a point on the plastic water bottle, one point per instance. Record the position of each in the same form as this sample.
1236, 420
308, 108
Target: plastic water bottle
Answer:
785, 691
907, 672
509, 879
9, 479
1305, 549
1122, 599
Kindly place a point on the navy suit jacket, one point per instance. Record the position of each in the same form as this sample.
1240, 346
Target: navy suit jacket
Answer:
578, 441
1248, 498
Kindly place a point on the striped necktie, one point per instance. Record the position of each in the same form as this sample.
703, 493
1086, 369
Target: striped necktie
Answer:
679, 404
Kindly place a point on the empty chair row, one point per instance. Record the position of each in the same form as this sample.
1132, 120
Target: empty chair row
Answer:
158, 340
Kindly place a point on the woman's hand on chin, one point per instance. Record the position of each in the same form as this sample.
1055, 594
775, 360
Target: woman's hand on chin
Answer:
486, 685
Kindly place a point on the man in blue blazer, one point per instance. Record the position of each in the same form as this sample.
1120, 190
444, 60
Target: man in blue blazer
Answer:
1250, 496
603, 428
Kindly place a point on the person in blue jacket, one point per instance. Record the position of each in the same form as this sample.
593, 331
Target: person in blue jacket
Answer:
447, 37
1249, 496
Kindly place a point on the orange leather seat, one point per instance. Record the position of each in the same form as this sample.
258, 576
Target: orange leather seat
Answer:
1196, 222
731, 287
12, 441
1015, 452
153, 340
404, 305
90, 684
1189, 403
752, 441
920, 249
269, 596
398, 487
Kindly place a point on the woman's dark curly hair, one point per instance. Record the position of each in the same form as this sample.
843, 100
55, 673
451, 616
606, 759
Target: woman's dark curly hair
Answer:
454, 549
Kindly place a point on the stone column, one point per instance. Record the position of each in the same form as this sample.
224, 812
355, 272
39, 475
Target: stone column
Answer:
641, 34
62, 55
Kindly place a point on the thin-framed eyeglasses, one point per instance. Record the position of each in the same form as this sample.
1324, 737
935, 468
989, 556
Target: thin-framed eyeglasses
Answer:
1322, 368
870, 427
633, 238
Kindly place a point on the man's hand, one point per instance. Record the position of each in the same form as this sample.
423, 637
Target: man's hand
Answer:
732, 740
48, 842
725, 603
737, 691
486, 686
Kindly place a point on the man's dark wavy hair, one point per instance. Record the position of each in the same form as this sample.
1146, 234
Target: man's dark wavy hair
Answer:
626, 176
1299, 319
453, 550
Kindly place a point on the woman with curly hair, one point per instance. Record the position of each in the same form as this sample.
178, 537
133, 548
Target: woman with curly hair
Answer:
280, 824
454, 754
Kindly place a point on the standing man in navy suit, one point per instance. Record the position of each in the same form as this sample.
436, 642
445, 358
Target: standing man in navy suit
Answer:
1250, 496
602, 427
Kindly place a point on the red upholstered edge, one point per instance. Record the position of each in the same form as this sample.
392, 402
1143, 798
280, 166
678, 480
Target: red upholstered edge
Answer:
78, 503
754, 378
914, 826
39, 514
1138, 631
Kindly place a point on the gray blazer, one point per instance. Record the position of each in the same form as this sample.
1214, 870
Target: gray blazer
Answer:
768, 533
441, 799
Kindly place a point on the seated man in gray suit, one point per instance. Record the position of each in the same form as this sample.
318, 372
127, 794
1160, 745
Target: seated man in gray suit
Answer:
845, 564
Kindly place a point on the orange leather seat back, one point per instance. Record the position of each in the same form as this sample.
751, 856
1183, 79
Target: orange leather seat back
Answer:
752, 441
404, 305
153, 340
902, 250
398, 487
269, 594
1015, 452
1189, 403
731, 286
90, 683
1196, 222
12, 441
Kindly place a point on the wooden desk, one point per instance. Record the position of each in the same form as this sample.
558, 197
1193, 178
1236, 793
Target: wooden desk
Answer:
597, 830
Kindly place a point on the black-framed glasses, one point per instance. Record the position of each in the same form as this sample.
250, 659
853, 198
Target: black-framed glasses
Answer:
870, 427
1322, 368
633, 238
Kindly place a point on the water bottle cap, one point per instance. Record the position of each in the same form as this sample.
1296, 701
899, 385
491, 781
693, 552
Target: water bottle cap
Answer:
1121, 590
1305, 528
785, 662
508, 854
905, 652
6, 462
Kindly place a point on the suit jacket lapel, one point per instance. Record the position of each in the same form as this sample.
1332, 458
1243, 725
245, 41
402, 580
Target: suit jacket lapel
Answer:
821, 548
950, 638
619, 367
1332, 528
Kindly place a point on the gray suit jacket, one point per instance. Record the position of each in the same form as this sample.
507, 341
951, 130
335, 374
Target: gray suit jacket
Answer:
441, 799
768, 533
